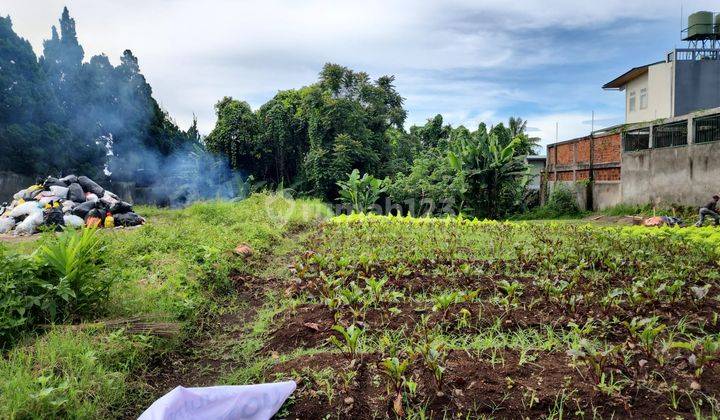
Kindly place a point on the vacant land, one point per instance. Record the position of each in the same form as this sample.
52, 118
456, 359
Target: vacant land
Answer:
379, 317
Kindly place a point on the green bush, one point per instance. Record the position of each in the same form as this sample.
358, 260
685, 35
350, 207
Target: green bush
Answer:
60, 281
562, 202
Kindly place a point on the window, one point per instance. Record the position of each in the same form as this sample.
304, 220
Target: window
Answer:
631, 101
637, 140
668, 135
643, 98
707, 129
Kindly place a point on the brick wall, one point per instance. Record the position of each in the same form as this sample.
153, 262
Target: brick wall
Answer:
607, 174
607, 149
583, 150
565, 176
566, 154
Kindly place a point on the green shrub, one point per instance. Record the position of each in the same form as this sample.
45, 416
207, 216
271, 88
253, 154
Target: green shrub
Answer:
561, 204
61, 281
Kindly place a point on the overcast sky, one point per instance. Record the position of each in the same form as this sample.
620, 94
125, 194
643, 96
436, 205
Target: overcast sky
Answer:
472, 61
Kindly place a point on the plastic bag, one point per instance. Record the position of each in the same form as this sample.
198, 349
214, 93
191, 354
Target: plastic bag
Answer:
58, 191
6, 224
30, 224
88, 185
54, 218
47, 200
94, 218
25, 209
82, 209
112, 195
76, 193
91, 197
70, 179
251, 402
51, 181
73, 221
128, 219
121, 207
108, 199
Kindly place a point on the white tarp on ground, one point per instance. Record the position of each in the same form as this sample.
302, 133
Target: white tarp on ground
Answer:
252, 402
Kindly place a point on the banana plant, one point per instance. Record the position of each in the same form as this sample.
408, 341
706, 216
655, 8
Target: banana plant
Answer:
490, 170
361, 193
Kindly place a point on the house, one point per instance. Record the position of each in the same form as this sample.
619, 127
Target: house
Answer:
687, 81
667, 150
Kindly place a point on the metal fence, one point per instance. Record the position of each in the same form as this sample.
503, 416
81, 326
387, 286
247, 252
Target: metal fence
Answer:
669, 135
707, 129
636, 140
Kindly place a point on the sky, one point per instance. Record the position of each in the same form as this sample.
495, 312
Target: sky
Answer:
471, 61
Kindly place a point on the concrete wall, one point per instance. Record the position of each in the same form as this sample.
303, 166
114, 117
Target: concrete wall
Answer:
697, 86
606, 194
10, 183
686, 175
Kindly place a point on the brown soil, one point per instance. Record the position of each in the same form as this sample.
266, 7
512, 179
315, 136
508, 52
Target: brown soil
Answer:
478, 385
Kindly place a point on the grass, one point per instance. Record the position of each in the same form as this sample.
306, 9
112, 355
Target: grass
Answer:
175, 268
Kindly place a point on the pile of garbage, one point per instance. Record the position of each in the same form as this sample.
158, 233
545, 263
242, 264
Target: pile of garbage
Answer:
73, 201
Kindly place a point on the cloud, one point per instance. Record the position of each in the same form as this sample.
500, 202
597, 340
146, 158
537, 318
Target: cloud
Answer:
466, 59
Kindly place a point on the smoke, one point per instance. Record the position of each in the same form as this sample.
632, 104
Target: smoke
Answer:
189, 174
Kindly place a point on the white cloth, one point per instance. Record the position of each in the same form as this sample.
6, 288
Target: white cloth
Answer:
251, 402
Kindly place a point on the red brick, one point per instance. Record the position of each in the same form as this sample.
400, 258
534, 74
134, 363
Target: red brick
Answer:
607, 149
566, 154
607, 174
565, 175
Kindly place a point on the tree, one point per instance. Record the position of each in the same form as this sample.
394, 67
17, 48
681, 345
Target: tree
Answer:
517, 128
235, 134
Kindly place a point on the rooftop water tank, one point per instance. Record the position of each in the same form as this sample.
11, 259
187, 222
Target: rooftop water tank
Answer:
700, 24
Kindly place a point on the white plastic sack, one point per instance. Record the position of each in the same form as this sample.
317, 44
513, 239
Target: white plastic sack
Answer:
6, 224
47, 200
30, 224
73, 221
24, 209
91, 197
58, 191
251, 402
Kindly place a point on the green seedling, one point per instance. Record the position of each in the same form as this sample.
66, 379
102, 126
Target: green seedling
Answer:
395, 369
351, 339
444, 301
511, 290
646, 331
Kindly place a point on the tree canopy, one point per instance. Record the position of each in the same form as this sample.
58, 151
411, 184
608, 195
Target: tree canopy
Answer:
61, 114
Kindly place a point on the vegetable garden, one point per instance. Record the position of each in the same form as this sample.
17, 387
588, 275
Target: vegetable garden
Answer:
433, 318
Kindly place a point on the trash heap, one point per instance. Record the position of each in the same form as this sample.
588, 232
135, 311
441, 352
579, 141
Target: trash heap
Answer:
73, 201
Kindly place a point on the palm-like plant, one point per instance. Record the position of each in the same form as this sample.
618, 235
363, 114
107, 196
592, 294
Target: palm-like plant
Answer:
489, 169
361, 193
